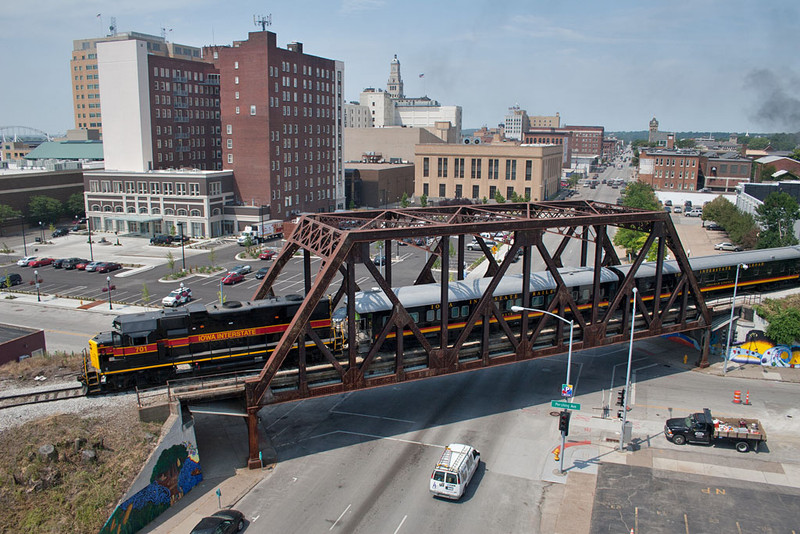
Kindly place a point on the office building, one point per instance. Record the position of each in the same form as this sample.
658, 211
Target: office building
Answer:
480, 171
516, 123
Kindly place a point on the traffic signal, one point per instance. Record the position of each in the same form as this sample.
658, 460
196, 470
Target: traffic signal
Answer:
563, 422
621, 397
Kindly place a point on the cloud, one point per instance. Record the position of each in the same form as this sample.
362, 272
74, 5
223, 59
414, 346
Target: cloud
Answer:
357, 6
777, 98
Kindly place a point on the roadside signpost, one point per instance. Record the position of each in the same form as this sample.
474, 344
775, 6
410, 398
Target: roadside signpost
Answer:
565, 405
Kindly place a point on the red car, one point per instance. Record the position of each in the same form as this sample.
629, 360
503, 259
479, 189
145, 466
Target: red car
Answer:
40, 262
107, 267
82, 266
266, 255
232, 278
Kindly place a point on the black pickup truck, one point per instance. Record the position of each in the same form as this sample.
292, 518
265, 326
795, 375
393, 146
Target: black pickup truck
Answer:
701, 427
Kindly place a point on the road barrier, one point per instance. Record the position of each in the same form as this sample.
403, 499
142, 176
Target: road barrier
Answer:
737, 397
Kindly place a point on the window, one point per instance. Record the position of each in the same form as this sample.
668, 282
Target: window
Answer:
476, 191
528, 170
229, 143
155, 188
492, 191
131, 209
180, 188
425, 189
143, 209
118, 187
459, 167
182, 212
94, 186
228, 129
236, 80
252, 110
167, 188
509, 193
105, 185
441, 167
130, 188
142, 188
230, 158
194, 189
215, 188
426, 163
459, 190
494, 165
442, 190
194, 213
476, 169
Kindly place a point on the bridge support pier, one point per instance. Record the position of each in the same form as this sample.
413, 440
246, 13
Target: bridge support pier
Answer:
254, 461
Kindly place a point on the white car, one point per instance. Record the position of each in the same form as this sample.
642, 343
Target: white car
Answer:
727, 246
676, 209
24, 261
179, 296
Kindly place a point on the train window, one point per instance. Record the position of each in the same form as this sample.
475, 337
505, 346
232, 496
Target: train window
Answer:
464, 311
454, 312
438, 315
430, 316
537, 302
414, 316
585, 295
518, 302
576, 295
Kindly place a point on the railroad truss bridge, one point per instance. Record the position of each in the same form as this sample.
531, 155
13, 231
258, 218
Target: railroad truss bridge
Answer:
386, 334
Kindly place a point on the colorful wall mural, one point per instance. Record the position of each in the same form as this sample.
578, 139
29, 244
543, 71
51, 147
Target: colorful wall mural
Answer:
757, 348
176, 471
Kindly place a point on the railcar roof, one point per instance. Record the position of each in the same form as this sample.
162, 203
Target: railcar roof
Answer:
428, 294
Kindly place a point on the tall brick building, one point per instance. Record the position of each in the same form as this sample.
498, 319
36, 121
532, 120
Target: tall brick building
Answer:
281, 114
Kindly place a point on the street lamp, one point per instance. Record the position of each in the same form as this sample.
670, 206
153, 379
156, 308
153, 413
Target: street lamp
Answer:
183, 254
108, 288
41, 232
36, 278
89, 227
569, 366
628, 375
730, 324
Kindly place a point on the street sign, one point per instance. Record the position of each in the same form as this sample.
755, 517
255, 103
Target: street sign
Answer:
565, 405
566, 390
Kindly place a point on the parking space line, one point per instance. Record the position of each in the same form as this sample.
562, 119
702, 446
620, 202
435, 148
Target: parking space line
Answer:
401, 524
340, 517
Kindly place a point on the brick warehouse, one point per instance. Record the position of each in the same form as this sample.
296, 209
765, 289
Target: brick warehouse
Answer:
281, 120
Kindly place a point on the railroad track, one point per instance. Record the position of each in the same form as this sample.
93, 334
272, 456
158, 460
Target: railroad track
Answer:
38, 397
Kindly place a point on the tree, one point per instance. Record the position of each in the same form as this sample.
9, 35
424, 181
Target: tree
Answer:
212, 255
685, 143
145, 294
8, 213
500, 199
573, 179
795, 154
637, 195
758, 143
404, 202
784, 327
352, 205
74, 205
777, 216
44, 209
765, 175
170, 261
423, 201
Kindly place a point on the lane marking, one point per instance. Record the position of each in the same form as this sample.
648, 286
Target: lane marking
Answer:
370, 416
364, 434
345, 511
401, 524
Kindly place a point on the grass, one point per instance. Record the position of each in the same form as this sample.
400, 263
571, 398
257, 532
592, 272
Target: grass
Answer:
67, 494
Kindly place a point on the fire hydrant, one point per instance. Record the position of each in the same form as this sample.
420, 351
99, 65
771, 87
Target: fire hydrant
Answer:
555, 453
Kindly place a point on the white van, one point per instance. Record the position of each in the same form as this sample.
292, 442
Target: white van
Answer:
454, 471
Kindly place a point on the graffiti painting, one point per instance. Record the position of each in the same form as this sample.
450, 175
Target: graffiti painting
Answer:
757, 348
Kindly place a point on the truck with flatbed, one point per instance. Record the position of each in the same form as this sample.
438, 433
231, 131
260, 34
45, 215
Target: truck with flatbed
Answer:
702, 427
261, 232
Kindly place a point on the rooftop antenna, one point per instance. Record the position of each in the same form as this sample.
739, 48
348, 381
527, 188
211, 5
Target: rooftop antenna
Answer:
113, 26
261, 20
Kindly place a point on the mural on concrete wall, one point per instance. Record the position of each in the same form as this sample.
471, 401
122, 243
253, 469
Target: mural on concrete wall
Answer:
176, 472
759, 349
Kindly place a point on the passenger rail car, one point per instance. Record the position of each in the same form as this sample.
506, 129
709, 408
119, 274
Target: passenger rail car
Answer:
153, 347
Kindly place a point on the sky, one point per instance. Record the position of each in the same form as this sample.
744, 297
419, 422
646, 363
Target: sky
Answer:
695, 65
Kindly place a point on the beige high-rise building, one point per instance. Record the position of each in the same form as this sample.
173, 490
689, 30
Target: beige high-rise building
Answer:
482, 171
86, 80
545, 121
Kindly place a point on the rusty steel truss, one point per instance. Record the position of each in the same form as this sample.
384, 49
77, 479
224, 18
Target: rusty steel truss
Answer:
341, 241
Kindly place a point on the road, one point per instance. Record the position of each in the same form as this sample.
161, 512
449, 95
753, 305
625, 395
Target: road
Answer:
361, 462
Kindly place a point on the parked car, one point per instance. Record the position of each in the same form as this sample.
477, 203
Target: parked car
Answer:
40, 262
81, 266
108, 266
61, 231
77, 227
702, 427
475, 246
714, 226
25, 261
727, 246
222, 522
695, 212
379, 260
244, 269
59, 263
11, 279
266, 255
161, 240
176, 297
262, 272
233, 277
677, 209
668, 203
70, 263
667, 209
92, 266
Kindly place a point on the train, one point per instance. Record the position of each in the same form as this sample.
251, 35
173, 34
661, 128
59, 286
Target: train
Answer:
151, 348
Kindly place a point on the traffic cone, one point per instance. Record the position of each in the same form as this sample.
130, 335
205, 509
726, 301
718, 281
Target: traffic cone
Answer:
737, 397
747, 397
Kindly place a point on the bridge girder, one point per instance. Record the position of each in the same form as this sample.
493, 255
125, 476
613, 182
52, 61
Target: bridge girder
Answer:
341, 241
